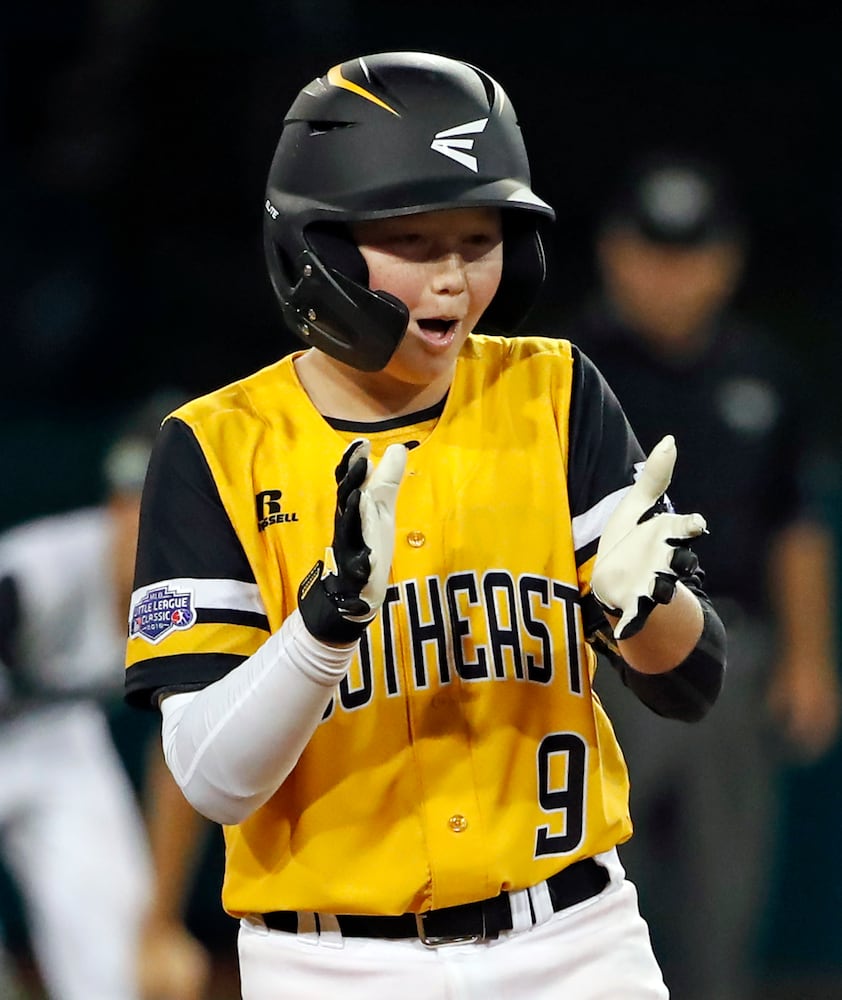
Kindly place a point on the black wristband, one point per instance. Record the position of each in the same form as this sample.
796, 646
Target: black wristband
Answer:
320, 613
689, 690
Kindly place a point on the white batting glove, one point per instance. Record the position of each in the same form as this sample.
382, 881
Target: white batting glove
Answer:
337, 604
639, 559
378, 498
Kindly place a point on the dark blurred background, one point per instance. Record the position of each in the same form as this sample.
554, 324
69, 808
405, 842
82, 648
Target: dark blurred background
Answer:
135, 136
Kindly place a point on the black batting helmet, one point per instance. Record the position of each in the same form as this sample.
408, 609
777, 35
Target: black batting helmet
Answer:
382, 135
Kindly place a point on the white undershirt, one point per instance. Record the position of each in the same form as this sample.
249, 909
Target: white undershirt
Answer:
231, 745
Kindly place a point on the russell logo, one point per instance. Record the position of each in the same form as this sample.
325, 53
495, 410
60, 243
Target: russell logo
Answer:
160, 611
452, 142
268, 508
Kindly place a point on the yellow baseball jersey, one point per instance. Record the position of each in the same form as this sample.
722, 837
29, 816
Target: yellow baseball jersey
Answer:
465, 752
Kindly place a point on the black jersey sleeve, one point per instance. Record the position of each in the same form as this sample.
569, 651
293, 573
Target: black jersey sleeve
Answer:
603, 454
186, 534
184, 529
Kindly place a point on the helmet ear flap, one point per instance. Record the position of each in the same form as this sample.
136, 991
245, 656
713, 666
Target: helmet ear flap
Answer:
329, 310
524, 270
339, 285
332, 244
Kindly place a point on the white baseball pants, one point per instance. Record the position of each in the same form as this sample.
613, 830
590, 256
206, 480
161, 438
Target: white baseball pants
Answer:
596, 950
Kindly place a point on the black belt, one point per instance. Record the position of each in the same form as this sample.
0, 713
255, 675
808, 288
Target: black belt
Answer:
466, 922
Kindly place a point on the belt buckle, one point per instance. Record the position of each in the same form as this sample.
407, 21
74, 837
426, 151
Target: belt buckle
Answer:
445, 940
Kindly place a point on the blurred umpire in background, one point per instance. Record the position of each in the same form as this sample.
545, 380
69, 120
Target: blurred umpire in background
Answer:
670, 248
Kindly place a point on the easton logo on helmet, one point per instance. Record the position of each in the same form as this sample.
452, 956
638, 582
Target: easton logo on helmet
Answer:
450, 142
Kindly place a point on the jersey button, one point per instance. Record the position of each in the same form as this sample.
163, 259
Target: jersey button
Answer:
457, 823
416, 539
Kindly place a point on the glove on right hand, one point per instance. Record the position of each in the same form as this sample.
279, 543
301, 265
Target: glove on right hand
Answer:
638, 558
338, 605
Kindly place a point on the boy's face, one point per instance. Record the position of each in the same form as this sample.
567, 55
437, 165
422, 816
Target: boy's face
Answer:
446, 267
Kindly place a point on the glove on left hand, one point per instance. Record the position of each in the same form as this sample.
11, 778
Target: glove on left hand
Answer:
639, 558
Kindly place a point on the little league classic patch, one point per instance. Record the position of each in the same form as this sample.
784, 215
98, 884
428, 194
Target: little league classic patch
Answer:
160, 611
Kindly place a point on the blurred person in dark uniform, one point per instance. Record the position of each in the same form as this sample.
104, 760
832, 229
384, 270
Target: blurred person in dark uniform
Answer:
671, 247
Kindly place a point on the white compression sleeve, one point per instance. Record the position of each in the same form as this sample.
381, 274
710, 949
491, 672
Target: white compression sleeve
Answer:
231, 745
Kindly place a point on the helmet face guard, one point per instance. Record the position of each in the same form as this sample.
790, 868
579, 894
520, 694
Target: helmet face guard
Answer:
384, 135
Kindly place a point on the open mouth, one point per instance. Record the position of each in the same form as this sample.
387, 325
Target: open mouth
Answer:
437, 328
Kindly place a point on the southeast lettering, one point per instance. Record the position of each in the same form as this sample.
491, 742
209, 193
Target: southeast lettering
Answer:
535, 590
499, 592
476, 627
429, 635
462, 592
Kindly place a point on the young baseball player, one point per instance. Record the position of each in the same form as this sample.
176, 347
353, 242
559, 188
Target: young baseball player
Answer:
369, 578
